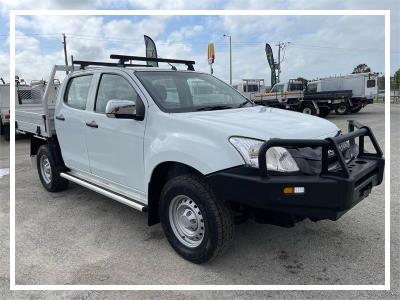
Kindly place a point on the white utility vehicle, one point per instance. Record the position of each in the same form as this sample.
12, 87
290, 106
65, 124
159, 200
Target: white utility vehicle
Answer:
363, 87
251, 87
194, 153
4, 109
296, 95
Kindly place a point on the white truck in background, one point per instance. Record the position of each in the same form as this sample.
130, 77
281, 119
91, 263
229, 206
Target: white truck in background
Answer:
251, 87
4, 109
364, 87
294, 95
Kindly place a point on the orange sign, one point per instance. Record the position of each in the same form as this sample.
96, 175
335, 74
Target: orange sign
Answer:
211, 53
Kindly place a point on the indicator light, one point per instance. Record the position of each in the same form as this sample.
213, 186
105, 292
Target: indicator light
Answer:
294, 190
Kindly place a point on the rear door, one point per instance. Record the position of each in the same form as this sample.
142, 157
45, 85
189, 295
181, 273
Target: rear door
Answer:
70, 124
115, 146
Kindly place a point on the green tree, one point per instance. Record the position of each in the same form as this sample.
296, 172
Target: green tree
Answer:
397, 76
302, 79
361, 68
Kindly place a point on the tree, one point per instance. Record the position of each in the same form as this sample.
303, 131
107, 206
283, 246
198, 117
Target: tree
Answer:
361, 68
397, 76
302, 79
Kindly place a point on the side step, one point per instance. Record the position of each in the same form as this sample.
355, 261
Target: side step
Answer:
110, 194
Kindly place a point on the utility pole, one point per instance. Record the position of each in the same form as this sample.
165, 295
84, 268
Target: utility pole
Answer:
230, 57
281, 46
65, 50
279, 61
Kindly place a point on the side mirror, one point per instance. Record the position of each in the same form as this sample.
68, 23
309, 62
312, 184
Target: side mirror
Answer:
124, 109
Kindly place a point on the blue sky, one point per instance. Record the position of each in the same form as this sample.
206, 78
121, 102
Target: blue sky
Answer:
319, 46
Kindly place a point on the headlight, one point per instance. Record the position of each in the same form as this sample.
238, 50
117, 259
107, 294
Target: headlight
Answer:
278, 158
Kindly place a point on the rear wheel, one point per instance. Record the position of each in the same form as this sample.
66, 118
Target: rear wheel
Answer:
342, 109
309, 109
196, 224
48, 172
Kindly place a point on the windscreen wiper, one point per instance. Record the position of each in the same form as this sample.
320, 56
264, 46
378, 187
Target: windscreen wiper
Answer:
214, 107
244, 103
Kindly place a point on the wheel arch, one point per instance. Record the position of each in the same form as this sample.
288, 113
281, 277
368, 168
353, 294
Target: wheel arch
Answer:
54, 149
160, 175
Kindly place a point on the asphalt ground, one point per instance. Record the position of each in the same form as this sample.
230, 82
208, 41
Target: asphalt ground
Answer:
80, 237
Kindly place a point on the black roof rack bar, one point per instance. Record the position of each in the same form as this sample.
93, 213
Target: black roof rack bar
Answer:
85, 63
124, 58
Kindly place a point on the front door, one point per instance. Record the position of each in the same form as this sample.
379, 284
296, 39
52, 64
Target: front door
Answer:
115, 146
70, 118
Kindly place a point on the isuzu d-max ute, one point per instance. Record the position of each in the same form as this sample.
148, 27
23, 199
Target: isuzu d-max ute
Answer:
194, 153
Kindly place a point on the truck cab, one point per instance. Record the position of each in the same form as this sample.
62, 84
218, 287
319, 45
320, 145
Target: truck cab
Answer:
195, 154
251, 87
283, 95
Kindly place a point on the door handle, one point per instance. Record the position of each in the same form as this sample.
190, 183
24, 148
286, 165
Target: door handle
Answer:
92, 124
60, 117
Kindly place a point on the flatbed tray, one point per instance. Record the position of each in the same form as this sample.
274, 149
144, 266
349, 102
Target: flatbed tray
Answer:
32, 119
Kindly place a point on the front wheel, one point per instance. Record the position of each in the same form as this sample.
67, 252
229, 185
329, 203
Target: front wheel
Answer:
48, 172
196, 224
342, 109
309, 109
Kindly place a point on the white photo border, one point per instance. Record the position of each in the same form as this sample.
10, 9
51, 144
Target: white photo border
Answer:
385, 13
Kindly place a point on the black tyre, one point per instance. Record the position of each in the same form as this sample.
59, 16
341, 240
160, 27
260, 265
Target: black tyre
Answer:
6, 130
342, 109
196, 224
323, 112
309, 109
48, 172
356, 109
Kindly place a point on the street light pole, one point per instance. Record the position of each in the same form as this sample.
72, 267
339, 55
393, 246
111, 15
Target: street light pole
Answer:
65, 51
230, 57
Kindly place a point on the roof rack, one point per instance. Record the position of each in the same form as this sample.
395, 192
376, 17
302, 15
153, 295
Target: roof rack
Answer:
125, 58
86, 63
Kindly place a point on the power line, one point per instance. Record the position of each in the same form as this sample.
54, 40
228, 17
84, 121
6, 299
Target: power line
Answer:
219, 44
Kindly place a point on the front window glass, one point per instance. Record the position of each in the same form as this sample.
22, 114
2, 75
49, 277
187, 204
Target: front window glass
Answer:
113, 87
77, 91
277, 88
189, 91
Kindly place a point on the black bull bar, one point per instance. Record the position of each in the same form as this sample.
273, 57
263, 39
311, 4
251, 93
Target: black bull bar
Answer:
327, 144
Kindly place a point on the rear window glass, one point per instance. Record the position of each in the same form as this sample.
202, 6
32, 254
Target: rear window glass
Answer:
312, 87
370, 83
251, 88
296, 87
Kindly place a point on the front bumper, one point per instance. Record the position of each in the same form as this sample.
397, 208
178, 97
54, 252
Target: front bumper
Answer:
327, 195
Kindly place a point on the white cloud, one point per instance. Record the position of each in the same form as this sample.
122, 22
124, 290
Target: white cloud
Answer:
249, 59
185, 33
94, 38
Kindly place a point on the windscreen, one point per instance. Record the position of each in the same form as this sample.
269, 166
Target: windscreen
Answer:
187, 91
